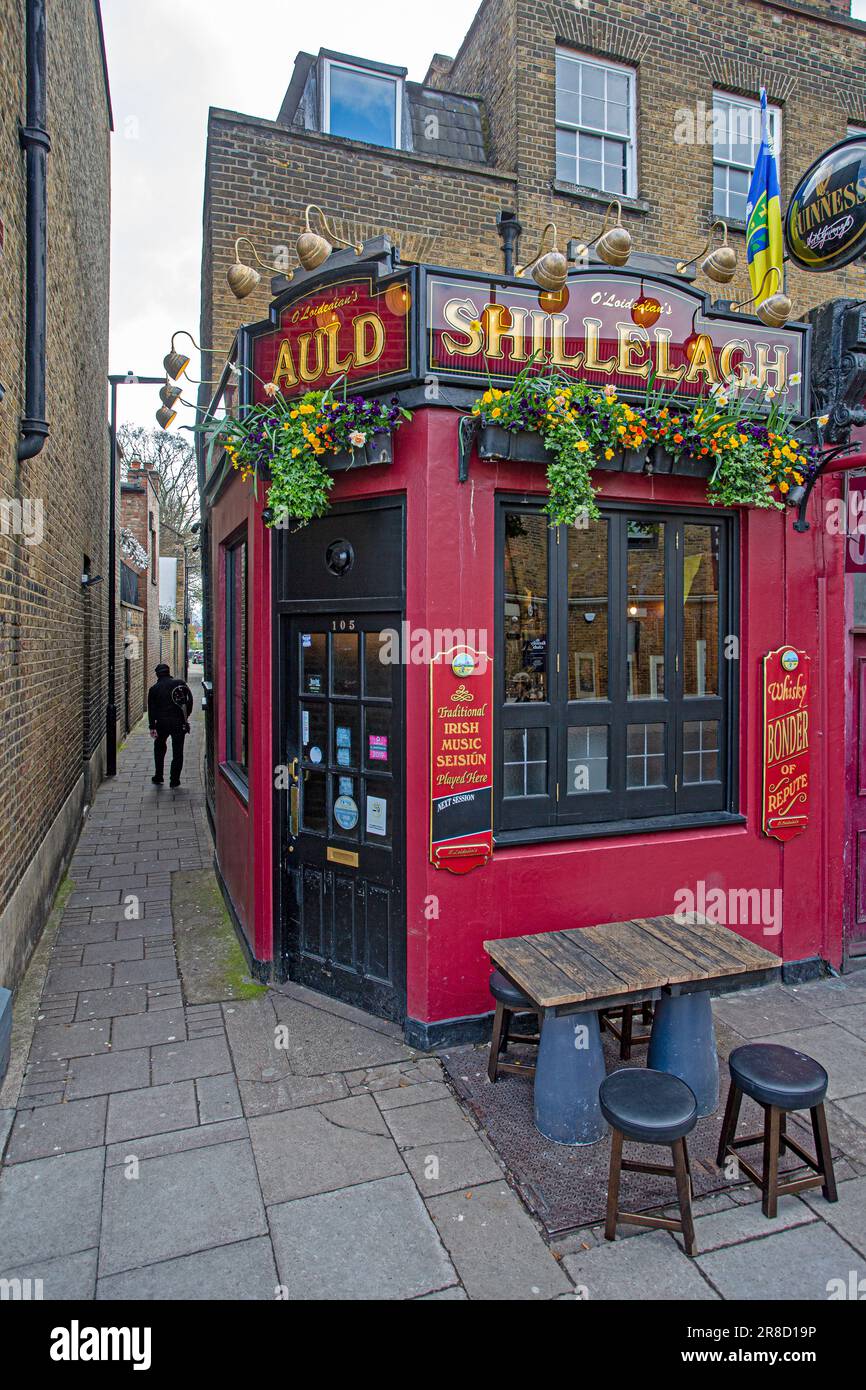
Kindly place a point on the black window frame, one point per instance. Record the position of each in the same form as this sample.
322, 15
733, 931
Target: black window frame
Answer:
239, 767
620, 810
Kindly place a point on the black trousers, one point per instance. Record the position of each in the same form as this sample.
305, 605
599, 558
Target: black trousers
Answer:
164, 732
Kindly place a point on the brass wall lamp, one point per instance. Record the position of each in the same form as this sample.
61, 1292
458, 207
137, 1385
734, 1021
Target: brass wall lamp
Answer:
721, 264
312, 247
777, 308
176, 363
243, 279
613, 243
549, 268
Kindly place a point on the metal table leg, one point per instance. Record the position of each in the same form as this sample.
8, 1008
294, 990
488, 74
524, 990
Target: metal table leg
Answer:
569, 1072
683, 1042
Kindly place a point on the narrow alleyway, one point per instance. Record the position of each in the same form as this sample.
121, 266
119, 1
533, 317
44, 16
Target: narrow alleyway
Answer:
170, 1138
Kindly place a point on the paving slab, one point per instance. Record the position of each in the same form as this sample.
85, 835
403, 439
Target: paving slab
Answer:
250, 1029
218, 1099
748, 1223
67, 1278
320, 1148
848, 1215
839, 1052
756, 1013
158, 970
148, 1029
432, 1122
651, 1269
111, 1003
151, 1110
116, 1071
52, 1041
397, 1096
57, 1129
74, 978
831, 994
176, 1141
496, 1250
798, 1264
445, 1167
103, 952
320, 1042
50, 1207
372, 1241
853, 1019
290, 1093
241, 1272
180, 1203
184, 1060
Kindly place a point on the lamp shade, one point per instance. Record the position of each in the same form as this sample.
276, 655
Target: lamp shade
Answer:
175, 364
164, 417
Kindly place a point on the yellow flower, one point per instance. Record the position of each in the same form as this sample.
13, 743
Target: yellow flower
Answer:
293, 414
475, 325
608, 453
307, 409
495, 413
582, 446
295, 452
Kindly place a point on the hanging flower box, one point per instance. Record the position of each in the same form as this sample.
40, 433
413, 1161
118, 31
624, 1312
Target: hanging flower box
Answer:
745, 447
523, 446
378, 448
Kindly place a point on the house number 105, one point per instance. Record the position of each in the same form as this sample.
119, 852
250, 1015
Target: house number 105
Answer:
343, 624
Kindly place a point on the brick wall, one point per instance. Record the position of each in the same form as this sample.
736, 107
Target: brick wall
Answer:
52, 632
810, 58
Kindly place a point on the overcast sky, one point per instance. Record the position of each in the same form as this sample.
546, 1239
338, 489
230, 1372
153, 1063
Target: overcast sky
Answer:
169, 60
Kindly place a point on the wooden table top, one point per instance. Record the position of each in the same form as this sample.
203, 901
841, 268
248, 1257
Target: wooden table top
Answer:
620, 958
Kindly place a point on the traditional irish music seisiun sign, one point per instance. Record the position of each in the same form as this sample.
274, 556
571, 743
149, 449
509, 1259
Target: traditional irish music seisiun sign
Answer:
786, 743
461, 759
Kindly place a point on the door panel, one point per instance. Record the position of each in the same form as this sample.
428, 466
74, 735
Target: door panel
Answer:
343, 812
855, 907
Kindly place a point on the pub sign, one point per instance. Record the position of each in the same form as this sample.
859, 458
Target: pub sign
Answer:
461, 759
786, 743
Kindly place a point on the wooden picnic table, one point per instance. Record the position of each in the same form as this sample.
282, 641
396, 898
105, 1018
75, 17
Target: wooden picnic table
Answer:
571, 975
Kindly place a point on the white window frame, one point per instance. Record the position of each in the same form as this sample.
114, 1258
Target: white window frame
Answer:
630, 141
775, 114
397, 82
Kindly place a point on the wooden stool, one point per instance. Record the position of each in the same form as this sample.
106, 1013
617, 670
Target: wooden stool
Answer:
624, 1031
509, 1001
780, 1080
649, 1107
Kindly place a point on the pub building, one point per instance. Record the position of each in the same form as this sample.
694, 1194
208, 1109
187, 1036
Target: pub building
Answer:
435, 719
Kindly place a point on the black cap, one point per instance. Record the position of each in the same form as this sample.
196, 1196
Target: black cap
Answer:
163, 670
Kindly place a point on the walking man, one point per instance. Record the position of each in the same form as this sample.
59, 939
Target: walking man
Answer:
169, 706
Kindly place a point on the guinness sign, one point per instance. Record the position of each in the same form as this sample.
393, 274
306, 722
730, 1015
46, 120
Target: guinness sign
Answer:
825, 225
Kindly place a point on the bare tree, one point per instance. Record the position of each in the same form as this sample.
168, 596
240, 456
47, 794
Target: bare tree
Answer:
174, 459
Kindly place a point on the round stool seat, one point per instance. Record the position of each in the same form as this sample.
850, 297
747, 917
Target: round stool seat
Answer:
652, 1107
775, 1075
507, 993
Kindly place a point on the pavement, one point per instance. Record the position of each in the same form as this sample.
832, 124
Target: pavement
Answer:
171, 1130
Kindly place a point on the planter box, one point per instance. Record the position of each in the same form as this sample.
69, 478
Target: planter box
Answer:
524, 446
378, 449
659, 460
688, 467
5, 1030
634, 460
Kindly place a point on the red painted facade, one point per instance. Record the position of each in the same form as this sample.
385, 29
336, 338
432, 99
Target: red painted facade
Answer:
792, 591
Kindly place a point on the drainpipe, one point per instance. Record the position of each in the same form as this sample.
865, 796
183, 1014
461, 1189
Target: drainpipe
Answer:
36, 145
509, 230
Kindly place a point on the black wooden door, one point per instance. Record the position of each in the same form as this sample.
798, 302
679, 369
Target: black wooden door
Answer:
343, 817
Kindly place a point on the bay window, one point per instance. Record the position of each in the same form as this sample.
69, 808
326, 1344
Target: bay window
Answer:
616, 676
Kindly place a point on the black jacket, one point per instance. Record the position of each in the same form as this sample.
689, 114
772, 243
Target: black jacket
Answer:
169, 702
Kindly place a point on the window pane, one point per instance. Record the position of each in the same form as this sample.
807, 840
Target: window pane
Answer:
645, 762
701, 751
344, 658
344, 807
377, 740
313, 801
566, 169
591, 80
568, 107
345, 749
567, 73
590, 147
314, 731
525, 764
645, 607
617, 89
363, 106
314, 679
236, 651
587, 759
526, 615
588, 611
617, 118
701, 610
377, 673
592, 112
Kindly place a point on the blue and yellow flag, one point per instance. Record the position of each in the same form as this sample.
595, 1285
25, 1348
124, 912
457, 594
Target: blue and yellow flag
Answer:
764, 216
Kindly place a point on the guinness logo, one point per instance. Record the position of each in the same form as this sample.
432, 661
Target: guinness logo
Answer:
825, 224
